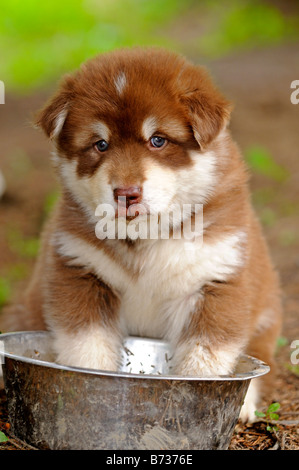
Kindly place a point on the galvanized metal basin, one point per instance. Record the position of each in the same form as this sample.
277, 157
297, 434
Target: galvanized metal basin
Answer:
141, 407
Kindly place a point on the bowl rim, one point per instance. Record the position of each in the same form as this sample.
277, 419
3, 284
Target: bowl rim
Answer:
260, 367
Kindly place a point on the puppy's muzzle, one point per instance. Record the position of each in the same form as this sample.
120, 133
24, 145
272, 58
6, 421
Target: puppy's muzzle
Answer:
129, 201
128, 195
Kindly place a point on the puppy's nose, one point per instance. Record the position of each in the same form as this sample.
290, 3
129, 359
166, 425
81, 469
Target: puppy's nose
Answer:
132, 194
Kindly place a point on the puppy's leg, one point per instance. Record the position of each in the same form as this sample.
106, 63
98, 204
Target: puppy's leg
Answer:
196, 357
215, 336
93, 347
82, 314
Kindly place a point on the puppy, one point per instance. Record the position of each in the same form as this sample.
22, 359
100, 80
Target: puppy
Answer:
139, 134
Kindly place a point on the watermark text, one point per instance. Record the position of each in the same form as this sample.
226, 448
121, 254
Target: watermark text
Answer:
295, 354
2, 93
137, 221
295, 94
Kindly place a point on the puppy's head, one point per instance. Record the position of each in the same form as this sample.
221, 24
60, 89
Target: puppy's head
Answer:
136, 125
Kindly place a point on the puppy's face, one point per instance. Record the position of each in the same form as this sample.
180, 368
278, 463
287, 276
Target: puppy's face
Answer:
134, 127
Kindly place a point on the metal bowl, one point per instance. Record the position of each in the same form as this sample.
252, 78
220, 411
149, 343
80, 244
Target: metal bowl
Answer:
141, 407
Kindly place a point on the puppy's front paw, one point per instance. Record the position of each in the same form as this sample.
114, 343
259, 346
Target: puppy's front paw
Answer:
92, 350
204, 362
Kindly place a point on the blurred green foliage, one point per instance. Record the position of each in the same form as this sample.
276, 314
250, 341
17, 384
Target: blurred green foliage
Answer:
261, 161
41, 40
50, 202
24, 247
5, 290
294, 369
246, 23
271, 203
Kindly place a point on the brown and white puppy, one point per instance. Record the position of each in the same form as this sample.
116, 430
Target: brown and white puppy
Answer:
148, 126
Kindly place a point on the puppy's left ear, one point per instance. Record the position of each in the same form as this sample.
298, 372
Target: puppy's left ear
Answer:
52, 117
208, 111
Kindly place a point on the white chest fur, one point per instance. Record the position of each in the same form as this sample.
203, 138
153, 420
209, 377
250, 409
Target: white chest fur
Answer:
166, 281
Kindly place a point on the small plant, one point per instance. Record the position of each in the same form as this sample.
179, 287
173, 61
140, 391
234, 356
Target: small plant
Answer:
269, 416
3, 438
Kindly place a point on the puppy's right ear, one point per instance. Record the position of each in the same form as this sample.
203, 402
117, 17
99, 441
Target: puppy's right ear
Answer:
207, 110
52, 117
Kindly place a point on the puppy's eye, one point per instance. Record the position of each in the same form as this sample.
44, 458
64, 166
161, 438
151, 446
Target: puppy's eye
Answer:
157, 141
101, 145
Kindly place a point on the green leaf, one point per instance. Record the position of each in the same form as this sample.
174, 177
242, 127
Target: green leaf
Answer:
273, 416
273, 407
3, 438
259, 414
272, 428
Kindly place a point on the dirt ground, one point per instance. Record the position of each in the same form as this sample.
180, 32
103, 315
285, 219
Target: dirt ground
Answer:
258, 82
